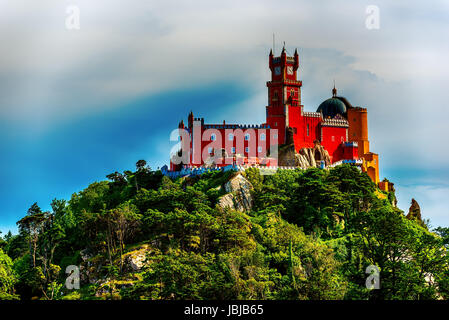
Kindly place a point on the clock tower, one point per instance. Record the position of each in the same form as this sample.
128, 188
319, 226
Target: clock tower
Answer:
284, 93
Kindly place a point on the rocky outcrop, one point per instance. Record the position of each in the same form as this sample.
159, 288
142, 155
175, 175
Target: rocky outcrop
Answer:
226, 201
414, 212
92, 266
137, 259
238, 194
306, 158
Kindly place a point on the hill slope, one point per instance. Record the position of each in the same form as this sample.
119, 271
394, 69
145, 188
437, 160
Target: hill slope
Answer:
303, 234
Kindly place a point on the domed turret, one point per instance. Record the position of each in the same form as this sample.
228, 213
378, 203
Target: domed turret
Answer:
333, 106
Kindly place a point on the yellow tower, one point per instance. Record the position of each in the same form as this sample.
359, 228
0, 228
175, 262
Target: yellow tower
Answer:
358, 132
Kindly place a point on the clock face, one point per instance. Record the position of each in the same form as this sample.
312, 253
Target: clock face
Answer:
290, 70
277, 71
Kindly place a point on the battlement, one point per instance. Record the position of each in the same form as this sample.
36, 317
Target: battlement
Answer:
359, 109
335, 123
236, 126
312, 114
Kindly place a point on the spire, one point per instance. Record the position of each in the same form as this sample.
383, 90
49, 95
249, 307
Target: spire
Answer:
271, 52
296, 59
190, 119
334, 91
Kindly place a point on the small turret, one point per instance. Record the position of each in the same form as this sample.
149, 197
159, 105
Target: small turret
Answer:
190, 119
283, 57
296, 58
270, 59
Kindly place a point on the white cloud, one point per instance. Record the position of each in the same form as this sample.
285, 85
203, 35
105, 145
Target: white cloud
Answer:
131, 48
128, 49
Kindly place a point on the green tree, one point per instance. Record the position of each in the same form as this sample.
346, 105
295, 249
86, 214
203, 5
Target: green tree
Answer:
31, 226
7, 277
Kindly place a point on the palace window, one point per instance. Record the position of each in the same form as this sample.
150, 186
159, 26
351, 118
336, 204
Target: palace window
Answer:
233, 150
213, 137
246, 149
259, 149
209, 150
262, 136
247, 136
308, 129
230, 137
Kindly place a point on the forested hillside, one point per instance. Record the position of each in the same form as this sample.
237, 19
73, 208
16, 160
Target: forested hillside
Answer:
310, 234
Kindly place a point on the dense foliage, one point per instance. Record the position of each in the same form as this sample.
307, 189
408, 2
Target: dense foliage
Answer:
311, 234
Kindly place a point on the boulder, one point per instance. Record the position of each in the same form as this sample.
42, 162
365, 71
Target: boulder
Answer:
238, 194
137, 259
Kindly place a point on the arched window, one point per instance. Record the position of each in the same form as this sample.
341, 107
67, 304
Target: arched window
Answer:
262, 136
308, 129
230, 137
213, 137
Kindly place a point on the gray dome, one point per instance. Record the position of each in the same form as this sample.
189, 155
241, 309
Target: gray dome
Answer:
331, 107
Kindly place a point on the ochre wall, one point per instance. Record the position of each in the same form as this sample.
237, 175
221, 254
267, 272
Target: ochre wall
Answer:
371, 166
358, 132
358, 128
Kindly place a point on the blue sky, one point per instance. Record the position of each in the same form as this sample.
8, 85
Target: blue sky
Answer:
78, 105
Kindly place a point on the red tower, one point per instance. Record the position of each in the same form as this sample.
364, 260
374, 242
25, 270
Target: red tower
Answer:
284, 92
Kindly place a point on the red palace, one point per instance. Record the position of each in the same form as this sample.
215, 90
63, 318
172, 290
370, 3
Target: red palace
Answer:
340, 128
